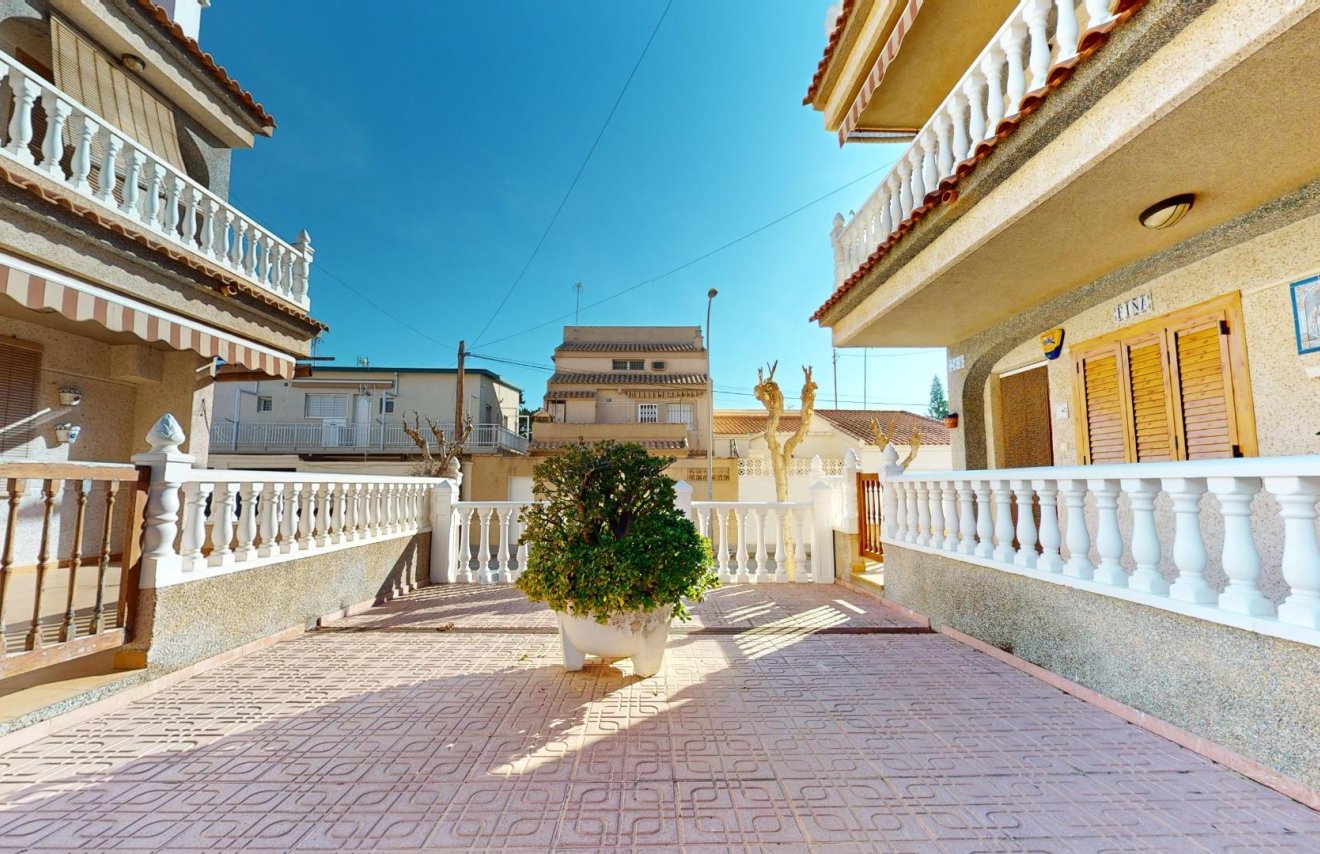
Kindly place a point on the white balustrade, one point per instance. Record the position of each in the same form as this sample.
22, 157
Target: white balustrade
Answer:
1146, 522
487, 535
154, 194
389, 437
1014, 64
759, 541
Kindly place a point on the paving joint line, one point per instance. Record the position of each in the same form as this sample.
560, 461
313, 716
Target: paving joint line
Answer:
726, 631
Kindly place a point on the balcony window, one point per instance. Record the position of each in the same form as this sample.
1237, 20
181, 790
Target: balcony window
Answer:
629, 364
387, 405
320, 405
648, 413
265, 404
680, 413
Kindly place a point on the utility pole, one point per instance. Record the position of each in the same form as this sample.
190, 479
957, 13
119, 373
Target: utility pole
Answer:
458, 390
865, 352
836, 378
577, 302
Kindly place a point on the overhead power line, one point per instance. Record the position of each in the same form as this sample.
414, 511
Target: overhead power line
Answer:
563, 201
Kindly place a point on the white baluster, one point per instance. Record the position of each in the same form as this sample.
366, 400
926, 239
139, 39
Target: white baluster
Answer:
966, 518
915, 156
151, 205
894, 189
801, 571
930, 167
26, 91
225, 233
1003, 498
222, 523
1048, 494
302, 269
721, 530
271, 499
522, 548
992, 66
1188, 544
52, 147
1078, 538
961, 145
741, 557
194, 524
239, 230
1301, 556
132, 177
777, 521
206, 235
974, 89
1108, 538
905, 200
307, 517
249, 495
84, 131
1146, 550
1036, 13
504, 553
465, 544
173, 198
762, 571
923, 513
944, 156
1013, 42
1026, 523
289, 518
322, 530
1241, 561
1098, 11
483, 556
951, 521
984, 519
936, 515
1066, 30
111, 144
900, 516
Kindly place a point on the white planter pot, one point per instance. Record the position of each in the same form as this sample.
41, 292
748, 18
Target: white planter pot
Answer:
639, 636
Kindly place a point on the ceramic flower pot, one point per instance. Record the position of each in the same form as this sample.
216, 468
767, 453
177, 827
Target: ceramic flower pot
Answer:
639, 636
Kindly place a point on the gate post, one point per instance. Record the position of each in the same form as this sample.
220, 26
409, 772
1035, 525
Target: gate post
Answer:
442, 523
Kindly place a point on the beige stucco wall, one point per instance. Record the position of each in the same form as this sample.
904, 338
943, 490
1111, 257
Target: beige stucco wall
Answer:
1287, 400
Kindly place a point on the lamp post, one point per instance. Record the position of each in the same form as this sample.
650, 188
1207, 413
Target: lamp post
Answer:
710, 406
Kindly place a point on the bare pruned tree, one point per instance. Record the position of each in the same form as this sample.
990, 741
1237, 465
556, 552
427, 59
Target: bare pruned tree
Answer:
772, 398
883, 438
444, 461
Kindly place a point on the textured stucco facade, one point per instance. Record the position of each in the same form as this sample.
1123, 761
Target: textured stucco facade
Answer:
1253, 694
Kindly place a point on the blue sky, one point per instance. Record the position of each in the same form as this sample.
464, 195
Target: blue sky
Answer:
426, 149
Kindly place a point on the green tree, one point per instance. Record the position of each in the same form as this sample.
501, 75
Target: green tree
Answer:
939, 404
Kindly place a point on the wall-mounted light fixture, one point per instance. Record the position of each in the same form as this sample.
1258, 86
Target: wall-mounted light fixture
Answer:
67, 434
133, 62
70, 396
1168, 212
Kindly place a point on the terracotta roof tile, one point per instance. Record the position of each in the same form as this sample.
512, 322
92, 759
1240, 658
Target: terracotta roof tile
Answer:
840, 23
244, 97
625, 378
649, 444
628, 347
854, 422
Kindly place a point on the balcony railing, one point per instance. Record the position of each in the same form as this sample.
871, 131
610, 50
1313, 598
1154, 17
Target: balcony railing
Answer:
1009, 77
109, 169
335, 437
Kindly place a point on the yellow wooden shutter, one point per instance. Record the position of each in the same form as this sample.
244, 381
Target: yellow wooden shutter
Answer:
1207, 421
1148, 394
20, 375
1103, 430
88, 75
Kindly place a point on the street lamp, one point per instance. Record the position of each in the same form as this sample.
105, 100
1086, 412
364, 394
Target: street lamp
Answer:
710, 406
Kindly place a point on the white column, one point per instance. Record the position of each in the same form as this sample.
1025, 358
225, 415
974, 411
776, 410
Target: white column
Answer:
1301, 556
111, 143
504, 551
951, 520
740, 515
1013, 42
1078, 538
194, 525
913, 518
1146, 577
893, 187
271, 498
1241, 561
1048, 493
1188, 543
904, 190
720, 521
1026, 524
992, 66
1066, 31
923, 513
1108, 538
132, 175
52, 147
289, 518
306, 517
160, 562
26, 91
484, 570
961, 145
915, 155
781, 560
822, 538
465, 513
84, 129
974, 89
1036, 13
944, 158
936, 515
984, 520
801, 530
1098, 12
966, 518
762, 571
441, 561
1003, 499
930, 168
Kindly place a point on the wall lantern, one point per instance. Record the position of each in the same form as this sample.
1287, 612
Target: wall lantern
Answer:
133, 62
1168, 212
70, 396
67, 434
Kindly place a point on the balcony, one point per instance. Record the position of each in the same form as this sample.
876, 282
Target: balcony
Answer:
270, 437
117, 181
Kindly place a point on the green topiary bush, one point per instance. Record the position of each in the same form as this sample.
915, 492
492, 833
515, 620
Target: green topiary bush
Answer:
608, 540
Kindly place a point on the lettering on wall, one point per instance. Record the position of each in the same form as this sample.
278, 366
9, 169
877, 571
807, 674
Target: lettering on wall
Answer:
1135, 307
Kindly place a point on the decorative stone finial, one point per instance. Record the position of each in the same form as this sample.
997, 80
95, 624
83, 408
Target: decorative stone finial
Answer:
889, 454
165, 435
851, 460
817, 467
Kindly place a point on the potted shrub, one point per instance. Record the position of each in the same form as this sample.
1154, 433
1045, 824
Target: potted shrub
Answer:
610, 553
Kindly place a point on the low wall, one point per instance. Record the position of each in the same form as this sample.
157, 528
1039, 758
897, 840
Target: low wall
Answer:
1253, 694
185, 623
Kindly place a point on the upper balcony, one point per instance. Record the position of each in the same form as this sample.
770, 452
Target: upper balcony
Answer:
336, 437
59, 148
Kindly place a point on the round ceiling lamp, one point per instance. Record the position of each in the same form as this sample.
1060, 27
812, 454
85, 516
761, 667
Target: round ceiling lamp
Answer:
1168, 212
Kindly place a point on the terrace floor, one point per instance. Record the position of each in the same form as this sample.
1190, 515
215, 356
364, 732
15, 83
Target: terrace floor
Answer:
786, 716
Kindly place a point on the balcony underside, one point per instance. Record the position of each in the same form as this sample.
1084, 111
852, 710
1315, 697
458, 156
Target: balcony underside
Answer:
1234, 125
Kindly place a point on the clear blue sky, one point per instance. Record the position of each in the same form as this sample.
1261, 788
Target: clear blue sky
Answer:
426, 145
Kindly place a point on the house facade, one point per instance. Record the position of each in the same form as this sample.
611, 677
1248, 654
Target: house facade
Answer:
352, 418
1108, 213
125, 273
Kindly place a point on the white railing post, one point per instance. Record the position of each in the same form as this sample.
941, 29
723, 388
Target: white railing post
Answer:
951, 517
160, 562
922, 491
1146, 549
194, 525
966, 518
936, 499
1108, 538
1048, 493
984, 520
1301, 556
890, 503
851, 465
1036, 14
1188, 543
1077, 537
822, 541
1066, 30
1026, 523
1241, 561
1003, 498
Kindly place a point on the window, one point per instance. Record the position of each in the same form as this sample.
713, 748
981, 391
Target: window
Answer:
1174, 388
265, 404
657, 366
629, 364
20, 374
680, 413
319, 405
648, 413
387, 406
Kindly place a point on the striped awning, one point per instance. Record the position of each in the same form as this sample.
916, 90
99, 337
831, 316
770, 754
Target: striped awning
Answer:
42, 289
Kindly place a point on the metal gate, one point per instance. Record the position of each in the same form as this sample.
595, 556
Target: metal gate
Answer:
868, 515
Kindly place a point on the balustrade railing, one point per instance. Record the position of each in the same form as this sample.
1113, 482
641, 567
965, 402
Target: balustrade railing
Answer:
484, 539
1010, 73
759, 541
67, 561
296, 436
1233, 541
84, 153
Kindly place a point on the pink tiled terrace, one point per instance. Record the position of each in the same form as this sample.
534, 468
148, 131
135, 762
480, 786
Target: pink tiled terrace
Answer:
786, 716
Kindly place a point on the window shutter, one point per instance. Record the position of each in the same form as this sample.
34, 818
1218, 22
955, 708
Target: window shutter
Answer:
320, 405
1205, 389
1152, 416
1103, 428
20, 375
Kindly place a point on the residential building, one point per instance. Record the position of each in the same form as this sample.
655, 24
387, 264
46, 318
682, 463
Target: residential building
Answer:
125, 273
342, 418
1108, 212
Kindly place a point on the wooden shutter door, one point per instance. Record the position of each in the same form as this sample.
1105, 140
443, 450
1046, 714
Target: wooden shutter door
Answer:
1025, 407
1102, 429
20, 375
1207, 415
1150, 401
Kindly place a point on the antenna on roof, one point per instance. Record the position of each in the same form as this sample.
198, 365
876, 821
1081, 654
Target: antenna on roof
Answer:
577, 302
363, 362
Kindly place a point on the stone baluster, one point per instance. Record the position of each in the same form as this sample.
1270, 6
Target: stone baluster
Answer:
111, 144
944, 154
223, 502
302, 269
719, 520
1003, 499
741, 557
504, 558
974, 89
1078, 538
1066, 30
190, 231
194, 524
762, 557
1146, 550
886, 216
905, 200
1047, 492
269, 526
931, 170
173, 198
915, 156
84, 131
1301, 556
896, 215
249, 495
1188, 543
226, 233
52, 147
984, 520
1241, 561
1013, 42
800, 517
937, 529
464, 544
992, 66
307, 517
776, 521
289, 518
1023, 492
26, 91
151, 207
1108, 538
1099, 13
132, 178
966, 518
952, 521
1036, 13
960, 145
322, 529
206, 235
900, 490
921, 536
238, 231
